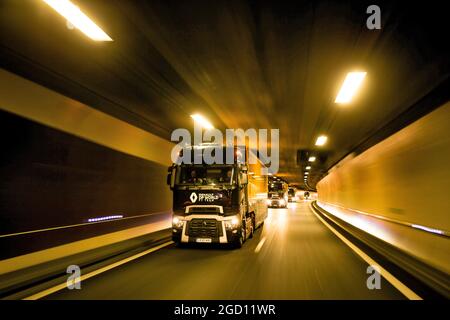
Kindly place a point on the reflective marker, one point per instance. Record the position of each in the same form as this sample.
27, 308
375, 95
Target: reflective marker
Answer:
105, 218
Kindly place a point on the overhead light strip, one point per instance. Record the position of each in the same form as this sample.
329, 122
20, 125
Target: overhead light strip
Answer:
78, 19
350, 86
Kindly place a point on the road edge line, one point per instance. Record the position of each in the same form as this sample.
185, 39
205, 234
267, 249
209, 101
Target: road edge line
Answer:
91, 274
407, 292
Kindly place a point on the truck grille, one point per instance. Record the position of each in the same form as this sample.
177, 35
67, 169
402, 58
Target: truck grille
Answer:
204, 209
204, 228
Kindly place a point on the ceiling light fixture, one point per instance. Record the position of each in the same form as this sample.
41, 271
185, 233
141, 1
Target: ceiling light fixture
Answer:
321, 140
351, 84
201, 120
78, 19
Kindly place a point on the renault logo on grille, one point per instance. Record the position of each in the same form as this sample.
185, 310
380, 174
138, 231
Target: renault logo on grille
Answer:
193, 197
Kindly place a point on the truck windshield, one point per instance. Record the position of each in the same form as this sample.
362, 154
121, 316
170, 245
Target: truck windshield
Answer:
276, 186
202, 175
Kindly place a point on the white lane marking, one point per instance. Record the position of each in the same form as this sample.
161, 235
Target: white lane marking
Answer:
407, 292
62, 286
260, 244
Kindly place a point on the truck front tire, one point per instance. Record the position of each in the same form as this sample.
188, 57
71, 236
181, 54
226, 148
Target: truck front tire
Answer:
253, 227
241, 239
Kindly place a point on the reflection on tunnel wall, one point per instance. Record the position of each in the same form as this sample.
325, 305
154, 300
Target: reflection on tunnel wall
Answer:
405, 177
50, 178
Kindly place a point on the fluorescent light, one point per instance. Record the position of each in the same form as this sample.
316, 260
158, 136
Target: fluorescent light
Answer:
78, 19
351, 84
306, 173
312, 159
321, 140
202, 121
308, 168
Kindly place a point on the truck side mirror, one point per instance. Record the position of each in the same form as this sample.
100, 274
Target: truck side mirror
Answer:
244, 178
171, 177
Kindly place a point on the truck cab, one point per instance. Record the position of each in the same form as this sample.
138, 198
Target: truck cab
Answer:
217, 203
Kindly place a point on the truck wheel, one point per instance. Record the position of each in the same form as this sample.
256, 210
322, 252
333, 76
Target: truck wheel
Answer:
240, 241
252, 228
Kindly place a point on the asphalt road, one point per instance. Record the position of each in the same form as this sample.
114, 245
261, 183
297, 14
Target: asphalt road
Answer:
300, 258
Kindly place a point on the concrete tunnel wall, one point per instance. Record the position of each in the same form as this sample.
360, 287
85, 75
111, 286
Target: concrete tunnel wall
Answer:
405, 182
64, 162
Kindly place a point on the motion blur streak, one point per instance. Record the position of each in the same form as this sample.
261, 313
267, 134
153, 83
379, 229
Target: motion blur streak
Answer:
411, 295
404, 178
57, 111
97, 272
300, 259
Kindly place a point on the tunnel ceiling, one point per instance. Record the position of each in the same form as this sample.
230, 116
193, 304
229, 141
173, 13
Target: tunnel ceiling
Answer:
242, 64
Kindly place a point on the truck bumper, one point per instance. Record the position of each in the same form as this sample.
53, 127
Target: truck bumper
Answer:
277, 204
190, 234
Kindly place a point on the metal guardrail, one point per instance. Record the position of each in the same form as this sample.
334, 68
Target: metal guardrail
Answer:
434, 282
439, 232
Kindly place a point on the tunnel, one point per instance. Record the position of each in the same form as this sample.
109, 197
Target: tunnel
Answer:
224, 150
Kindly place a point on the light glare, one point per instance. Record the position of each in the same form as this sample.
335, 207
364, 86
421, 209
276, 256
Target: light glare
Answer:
78, 19
202, 121
351, 84
321, 140
312, 159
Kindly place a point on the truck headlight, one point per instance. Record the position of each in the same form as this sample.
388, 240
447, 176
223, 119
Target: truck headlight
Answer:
177, 222
231, 224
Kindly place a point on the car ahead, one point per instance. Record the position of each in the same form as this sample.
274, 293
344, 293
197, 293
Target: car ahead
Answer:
275, 200
292, 197
278, 193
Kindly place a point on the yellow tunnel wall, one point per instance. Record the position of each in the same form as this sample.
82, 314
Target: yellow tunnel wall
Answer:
405, 177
